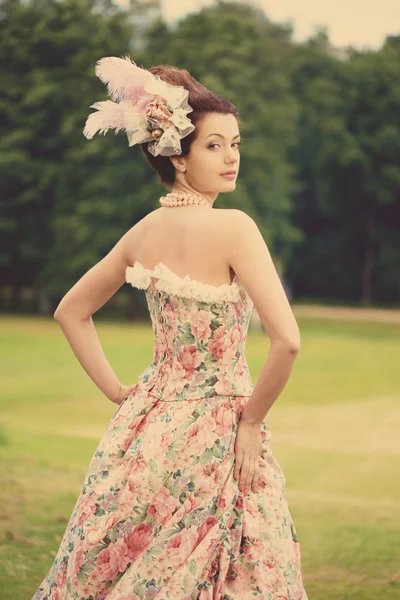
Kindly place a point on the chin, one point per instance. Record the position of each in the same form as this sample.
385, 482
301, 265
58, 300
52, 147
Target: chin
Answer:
230, 185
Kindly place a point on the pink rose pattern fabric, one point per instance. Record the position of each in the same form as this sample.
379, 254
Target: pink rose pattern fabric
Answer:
160, 515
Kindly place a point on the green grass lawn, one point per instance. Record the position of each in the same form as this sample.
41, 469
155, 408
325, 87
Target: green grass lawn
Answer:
335, 432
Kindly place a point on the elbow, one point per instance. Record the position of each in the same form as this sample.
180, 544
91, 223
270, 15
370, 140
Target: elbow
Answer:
292, 346
62, 315
59, 313
294, 342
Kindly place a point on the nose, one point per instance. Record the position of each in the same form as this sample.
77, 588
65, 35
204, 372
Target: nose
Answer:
232, 156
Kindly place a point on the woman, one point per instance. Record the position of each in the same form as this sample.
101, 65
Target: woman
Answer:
183, 498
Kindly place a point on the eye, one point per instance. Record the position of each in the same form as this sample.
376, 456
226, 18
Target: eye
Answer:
215, 144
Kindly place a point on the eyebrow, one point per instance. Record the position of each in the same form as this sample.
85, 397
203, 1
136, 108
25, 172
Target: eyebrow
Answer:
219, 135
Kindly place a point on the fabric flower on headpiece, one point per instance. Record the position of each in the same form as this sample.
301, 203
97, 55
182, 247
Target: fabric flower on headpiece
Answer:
146, 107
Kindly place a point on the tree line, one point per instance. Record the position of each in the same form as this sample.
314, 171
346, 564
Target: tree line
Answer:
320, 150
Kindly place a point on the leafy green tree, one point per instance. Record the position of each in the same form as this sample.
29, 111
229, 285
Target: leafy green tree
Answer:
57, 189
374, 119
347, 155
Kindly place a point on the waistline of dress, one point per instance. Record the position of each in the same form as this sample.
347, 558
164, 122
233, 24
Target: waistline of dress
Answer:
167, 389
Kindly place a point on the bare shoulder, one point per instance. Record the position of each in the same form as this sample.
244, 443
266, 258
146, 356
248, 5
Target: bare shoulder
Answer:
223, 225
232, 221
238, 231
139, 229
234, 215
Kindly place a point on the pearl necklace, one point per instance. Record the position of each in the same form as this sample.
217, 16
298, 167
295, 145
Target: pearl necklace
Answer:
173, 199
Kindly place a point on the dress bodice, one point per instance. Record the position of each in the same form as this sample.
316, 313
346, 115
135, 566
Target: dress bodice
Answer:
200, 333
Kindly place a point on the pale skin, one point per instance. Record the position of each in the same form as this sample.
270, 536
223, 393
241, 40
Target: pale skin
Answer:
188, 239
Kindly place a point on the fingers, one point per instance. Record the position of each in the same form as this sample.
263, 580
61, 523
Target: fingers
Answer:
247, 471
256, 478
238, 464
246, 475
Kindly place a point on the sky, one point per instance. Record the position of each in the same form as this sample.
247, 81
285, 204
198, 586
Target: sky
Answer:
359, 23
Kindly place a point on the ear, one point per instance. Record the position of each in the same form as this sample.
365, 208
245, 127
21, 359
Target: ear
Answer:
179, 163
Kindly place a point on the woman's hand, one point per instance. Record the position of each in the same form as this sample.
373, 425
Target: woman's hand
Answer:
248, 446
124, 391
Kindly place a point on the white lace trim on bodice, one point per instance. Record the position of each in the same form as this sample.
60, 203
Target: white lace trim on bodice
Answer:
186, 287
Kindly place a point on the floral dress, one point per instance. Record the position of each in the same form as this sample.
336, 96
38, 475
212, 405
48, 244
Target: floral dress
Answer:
160, 515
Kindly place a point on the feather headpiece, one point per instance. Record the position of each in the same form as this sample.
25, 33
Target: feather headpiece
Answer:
142, 104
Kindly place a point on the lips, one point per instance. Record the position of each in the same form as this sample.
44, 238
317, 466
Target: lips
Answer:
229, 173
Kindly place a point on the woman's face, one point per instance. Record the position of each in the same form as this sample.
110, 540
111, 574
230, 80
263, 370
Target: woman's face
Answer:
214, 152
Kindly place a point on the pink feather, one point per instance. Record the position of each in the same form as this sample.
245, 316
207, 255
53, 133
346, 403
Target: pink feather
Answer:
110, 115
124, 79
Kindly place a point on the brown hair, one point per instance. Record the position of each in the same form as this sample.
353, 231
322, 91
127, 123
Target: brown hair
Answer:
202, 100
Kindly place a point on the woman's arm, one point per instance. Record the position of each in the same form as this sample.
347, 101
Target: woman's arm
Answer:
251, 260
88, 295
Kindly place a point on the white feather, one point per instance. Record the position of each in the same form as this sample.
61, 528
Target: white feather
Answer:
124, 79
110, 115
